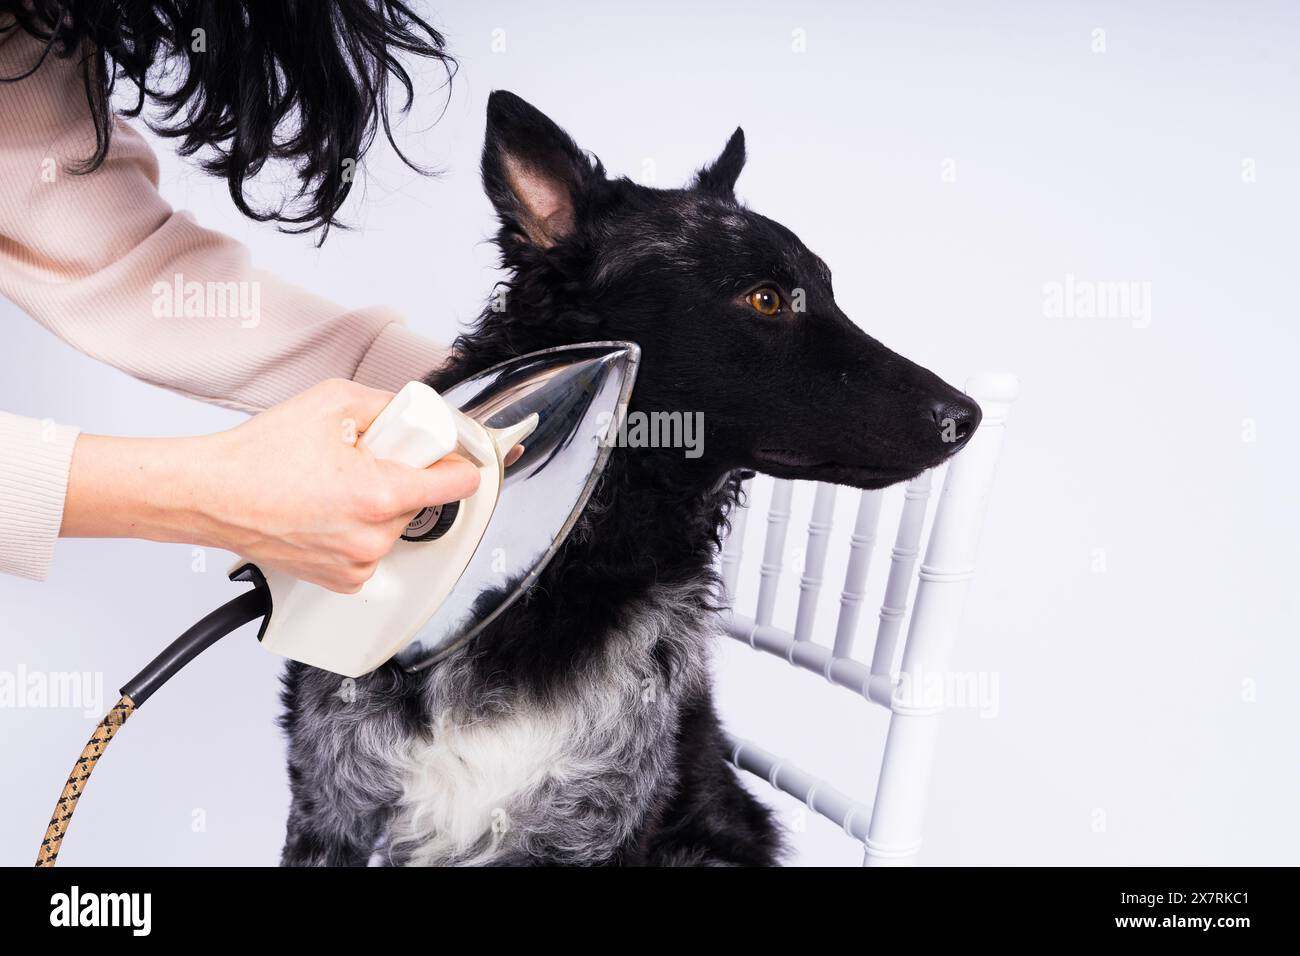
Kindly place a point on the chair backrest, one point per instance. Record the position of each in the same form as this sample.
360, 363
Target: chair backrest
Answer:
891, 829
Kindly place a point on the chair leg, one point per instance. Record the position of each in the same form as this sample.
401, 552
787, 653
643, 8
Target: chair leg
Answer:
897, 818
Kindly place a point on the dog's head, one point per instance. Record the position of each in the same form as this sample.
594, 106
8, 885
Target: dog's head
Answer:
735, 317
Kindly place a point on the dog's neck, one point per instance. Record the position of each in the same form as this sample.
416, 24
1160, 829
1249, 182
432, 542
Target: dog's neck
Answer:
639, 538
655, 518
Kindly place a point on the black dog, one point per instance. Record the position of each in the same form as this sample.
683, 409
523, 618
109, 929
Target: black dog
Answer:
580, 727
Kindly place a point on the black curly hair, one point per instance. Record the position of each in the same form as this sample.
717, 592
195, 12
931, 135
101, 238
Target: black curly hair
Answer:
302, 81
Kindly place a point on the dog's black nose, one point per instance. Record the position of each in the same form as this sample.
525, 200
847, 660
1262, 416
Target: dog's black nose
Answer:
956, 418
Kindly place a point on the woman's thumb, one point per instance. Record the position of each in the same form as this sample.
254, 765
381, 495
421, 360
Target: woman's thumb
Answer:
448, 479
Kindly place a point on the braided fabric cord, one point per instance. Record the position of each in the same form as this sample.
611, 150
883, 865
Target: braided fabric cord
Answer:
77, 780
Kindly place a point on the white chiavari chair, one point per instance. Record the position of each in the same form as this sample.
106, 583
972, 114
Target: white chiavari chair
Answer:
890, 829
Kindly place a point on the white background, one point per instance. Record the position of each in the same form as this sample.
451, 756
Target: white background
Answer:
1146, 713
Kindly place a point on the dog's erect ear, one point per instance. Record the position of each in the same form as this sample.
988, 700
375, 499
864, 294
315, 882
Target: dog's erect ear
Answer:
533, 171
720, 176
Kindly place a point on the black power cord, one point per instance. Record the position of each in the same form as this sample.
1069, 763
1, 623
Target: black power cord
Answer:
249, 606
232, 615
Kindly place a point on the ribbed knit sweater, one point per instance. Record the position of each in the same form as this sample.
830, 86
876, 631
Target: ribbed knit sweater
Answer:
102, 261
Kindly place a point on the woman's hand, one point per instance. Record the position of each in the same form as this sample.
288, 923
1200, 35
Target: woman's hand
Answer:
289, 489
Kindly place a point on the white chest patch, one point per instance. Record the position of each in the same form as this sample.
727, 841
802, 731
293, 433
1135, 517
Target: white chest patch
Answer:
460, 787
575, 774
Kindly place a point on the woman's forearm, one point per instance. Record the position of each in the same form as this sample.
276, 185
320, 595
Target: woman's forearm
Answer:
136, 488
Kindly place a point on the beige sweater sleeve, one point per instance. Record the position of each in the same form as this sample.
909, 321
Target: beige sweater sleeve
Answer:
104, 263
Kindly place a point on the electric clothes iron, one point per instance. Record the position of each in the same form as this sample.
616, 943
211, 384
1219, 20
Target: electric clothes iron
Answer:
539, 428
460, 565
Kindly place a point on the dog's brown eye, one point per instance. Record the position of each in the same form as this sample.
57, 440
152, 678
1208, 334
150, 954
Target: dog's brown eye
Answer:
764, 301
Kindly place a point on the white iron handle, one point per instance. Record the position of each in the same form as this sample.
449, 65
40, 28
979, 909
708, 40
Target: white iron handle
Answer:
418, 428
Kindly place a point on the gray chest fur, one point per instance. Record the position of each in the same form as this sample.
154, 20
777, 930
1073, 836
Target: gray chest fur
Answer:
495, 775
